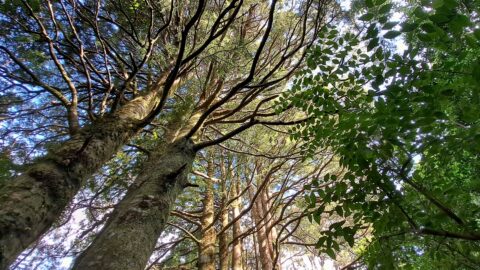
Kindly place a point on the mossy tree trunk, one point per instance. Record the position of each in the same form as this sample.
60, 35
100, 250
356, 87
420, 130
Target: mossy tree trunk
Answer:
129, 237
32, 201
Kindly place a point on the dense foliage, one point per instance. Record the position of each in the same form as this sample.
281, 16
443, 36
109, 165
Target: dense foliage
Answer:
240, 134
405, 123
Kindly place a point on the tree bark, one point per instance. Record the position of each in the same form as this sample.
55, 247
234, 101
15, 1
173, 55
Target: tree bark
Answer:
237, 247
270, 230
223, 237
263, 247
206, 256
32, 201
265, 244
129, 237
226, 172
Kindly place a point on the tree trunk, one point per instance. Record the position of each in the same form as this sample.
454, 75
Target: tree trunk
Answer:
255, 244
237, 230
270, 230
262, 239
223, 239
129, 237
206, 256
261, 231
32, 201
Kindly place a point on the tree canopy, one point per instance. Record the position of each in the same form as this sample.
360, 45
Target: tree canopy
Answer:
405, 125
237, 134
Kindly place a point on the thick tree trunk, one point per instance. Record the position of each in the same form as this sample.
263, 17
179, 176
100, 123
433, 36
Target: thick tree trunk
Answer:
129, 237
31, 202
237, 247
206, 256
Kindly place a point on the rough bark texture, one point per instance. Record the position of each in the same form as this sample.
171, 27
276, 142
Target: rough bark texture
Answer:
31, 202
237, 231
128, 239
206, 256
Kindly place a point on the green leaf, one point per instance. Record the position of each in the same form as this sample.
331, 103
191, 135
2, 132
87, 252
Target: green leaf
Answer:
35, 5
350, 239
339, 210
439, 18
476, 33
424, 121
379, 2
366, 17
458, 23
372, 31
428, 27
317, 216
392, 34
409, 27
372, 44
321, 242
385, 8
389, 25
424, 37
437, 3
330, 252
336, 225
450, 4
420, 13
313, 199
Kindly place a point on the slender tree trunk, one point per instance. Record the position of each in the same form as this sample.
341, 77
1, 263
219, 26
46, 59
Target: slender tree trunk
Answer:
255, 244
206, 256
226, 174
237, 263
129, 237
32, 201
261, 232
271, 231
223, 238
272, 239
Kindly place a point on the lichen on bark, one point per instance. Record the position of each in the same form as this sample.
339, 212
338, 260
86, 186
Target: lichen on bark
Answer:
32, 201
128, 239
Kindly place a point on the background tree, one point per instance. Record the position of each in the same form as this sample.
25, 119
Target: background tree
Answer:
111, 36
369, 157
130, 59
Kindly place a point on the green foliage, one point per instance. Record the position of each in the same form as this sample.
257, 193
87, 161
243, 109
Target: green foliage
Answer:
405, 125
7, 168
